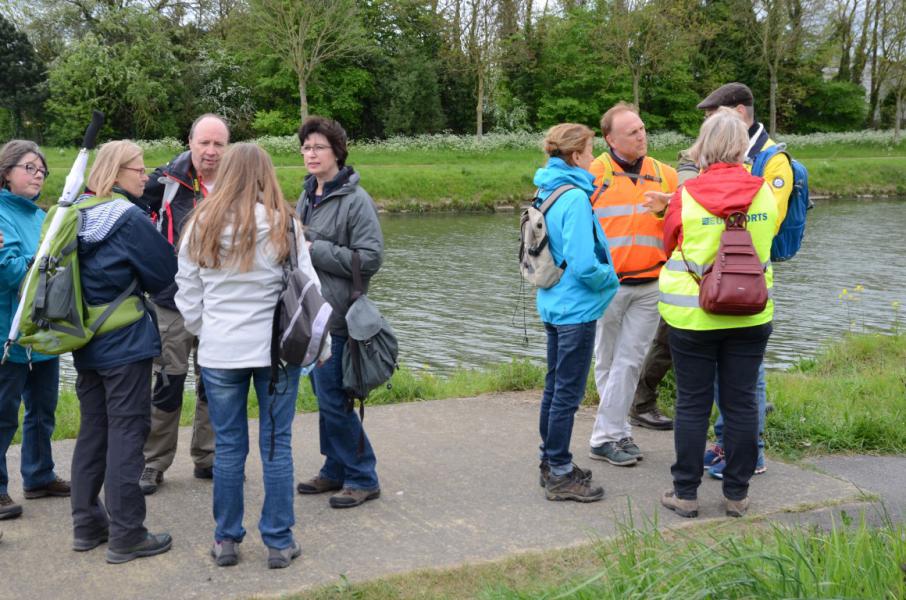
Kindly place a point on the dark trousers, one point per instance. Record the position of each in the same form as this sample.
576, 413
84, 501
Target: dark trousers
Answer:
657, 363
569, 352
115, 405
736, 354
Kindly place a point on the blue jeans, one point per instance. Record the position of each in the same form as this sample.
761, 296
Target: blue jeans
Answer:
340, 427
227, 391
761, 396
38, 388
569, 352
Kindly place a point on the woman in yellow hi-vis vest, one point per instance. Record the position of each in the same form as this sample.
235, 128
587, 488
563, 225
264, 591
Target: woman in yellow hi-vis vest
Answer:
702, 342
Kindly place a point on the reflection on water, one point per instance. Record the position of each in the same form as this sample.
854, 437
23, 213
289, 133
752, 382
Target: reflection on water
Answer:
450, 285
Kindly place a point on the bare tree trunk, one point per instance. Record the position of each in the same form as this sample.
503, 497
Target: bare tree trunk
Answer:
773, 103
876, 77
898, 117
303, 99
860, 58
479, 104
635, 88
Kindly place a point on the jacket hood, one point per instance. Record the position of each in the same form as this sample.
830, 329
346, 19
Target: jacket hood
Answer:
26, 205
181, 169
99, 222
557, 173
342, 184
724, 189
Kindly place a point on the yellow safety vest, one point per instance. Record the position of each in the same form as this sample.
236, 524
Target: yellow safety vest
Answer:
678, 303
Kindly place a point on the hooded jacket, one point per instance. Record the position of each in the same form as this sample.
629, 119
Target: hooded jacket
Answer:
589, 282
20, 222
232, 311
345, 219
118, 244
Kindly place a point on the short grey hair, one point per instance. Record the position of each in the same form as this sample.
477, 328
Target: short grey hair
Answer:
723, 138
12, 152
208, 116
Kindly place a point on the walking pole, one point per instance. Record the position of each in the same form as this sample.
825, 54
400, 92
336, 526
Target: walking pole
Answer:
70, 192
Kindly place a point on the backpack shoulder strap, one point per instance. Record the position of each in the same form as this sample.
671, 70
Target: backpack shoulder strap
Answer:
762, 158
660, 176
549, 201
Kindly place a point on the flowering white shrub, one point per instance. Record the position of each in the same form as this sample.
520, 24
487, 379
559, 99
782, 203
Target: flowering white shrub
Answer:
279, 144
867, 137
163, 145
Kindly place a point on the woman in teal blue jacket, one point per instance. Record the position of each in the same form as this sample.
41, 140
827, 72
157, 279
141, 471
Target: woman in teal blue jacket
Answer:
570, 308
22, 174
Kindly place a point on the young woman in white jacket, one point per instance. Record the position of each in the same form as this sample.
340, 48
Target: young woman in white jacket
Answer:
230, 275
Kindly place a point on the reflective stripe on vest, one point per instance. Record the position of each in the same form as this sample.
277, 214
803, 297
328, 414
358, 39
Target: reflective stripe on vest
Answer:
678, 302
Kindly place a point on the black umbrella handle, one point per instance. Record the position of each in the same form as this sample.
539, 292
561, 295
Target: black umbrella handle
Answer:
91, 134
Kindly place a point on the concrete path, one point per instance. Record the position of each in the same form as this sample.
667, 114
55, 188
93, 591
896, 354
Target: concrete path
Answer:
459, 484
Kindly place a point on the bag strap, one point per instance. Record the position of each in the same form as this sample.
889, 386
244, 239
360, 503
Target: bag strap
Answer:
553, 197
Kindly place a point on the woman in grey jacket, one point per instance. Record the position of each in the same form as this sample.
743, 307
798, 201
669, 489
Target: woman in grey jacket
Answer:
339, 218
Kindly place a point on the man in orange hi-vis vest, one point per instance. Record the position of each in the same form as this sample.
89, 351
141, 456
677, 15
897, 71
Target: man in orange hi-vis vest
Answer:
627, 182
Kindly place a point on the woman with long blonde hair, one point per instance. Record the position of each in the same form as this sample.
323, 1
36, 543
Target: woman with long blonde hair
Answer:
231, 269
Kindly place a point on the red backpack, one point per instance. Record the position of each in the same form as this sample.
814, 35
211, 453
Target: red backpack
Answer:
735, 283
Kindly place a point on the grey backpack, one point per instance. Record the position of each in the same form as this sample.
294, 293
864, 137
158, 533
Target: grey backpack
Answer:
536, 263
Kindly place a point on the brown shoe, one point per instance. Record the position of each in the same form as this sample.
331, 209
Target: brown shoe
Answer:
653, 419
737, 508
8, 507
350, 497
684, 508
318, 485
572, 486
57, 487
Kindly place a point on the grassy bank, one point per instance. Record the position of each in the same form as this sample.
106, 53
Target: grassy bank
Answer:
724, 561
850, 398
457, 176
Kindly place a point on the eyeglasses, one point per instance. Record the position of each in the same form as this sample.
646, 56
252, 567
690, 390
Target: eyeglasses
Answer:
317, 149
33, 170
139, 170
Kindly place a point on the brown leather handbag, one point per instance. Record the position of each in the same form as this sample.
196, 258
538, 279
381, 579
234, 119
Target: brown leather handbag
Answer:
735, 284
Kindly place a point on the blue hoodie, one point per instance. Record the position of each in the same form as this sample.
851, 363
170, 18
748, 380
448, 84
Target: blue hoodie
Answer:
20, 222
588, 283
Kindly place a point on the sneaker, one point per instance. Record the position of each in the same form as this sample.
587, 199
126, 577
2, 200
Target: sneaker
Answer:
684, 508
318, 485
653, 419
737, 508
279, 558
90, 543
8, 508
545, 473
150, 479
203, 472
713, 455
572, 486
717, 471
57, 487
349, 497
224, 553
152, 545
629, 447
612, 453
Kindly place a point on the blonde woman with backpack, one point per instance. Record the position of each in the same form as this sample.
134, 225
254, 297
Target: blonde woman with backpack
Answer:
230, 275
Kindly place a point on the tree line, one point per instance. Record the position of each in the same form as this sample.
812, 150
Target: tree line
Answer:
403, 67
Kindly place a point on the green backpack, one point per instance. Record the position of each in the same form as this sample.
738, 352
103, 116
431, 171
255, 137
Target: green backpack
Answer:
55, 317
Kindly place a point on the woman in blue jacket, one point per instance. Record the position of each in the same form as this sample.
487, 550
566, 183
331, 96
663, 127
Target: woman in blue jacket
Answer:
570, 308
23, 171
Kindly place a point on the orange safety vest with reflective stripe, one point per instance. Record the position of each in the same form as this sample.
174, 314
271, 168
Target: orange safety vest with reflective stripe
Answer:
635, 235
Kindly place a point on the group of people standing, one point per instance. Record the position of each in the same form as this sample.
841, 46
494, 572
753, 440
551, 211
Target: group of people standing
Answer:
632, 235
203, 245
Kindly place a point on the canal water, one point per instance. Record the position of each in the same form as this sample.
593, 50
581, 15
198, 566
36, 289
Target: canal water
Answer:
450, 286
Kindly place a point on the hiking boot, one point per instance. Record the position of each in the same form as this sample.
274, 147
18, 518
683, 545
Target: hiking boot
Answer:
150, 479
737, 508
57, 487
224, 553
318, 485
349, 497
612, 453
572, 486
278, 558
684, 508
203, 472
545, 473
89, 543
152, 545
629, 447
653, 419
8, 508
713, 455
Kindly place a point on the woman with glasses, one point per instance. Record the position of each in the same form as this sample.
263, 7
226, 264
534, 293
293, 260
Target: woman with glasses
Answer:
340, 218
29, 378
119, 250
